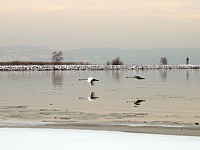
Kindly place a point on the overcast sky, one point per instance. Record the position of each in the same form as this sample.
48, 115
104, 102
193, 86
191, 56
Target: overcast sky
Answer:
68, 24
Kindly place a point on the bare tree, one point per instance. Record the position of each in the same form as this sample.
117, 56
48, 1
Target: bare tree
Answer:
108, 63
57, 56
117, 61
163, 61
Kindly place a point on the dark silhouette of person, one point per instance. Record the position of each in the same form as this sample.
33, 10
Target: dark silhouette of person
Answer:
187, 61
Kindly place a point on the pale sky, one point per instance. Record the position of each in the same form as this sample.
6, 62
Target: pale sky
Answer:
69, 24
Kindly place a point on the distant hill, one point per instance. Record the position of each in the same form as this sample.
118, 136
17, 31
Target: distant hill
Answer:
102, 55
25, 53
135, 56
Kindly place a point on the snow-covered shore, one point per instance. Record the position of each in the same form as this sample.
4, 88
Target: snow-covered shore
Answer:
62, 139
92, 67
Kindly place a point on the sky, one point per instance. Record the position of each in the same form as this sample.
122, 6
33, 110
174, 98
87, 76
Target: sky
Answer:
72, 24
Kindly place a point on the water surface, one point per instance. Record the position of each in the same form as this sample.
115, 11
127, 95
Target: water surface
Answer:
168, 96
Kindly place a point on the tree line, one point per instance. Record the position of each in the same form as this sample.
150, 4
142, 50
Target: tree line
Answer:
57, 59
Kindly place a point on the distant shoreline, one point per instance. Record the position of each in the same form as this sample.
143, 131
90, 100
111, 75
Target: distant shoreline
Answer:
83, 67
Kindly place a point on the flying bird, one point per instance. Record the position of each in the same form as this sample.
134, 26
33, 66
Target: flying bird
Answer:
90, 80
137, 77
91, 98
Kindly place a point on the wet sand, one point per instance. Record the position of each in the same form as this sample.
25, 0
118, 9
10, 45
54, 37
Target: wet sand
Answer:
22, 116
188, 131
165, 130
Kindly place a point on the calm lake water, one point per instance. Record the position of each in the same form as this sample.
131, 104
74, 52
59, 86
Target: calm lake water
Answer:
163, 91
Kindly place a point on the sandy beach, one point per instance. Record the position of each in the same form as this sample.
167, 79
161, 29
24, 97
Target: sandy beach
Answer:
164, 130
18, 134
24, 117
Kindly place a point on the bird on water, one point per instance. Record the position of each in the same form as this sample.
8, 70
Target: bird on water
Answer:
90, 80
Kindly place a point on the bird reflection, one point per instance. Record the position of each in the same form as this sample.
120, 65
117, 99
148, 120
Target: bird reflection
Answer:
137, 77
138, 102
92, 97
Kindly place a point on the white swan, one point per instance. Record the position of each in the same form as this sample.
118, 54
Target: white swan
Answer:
90, 80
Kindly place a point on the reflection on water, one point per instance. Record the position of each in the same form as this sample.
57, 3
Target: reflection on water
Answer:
54, 96
187, 75
138, 102
62, 88
163, 75
116, 75
57, 78
90, 98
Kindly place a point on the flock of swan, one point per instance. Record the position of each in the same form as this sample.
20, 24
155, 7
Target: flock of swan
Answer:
91, 80
92, 96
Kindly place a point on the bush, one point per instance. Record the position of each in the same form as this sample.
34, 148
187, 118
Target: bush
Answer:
117, 61
57, 56
163, 61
